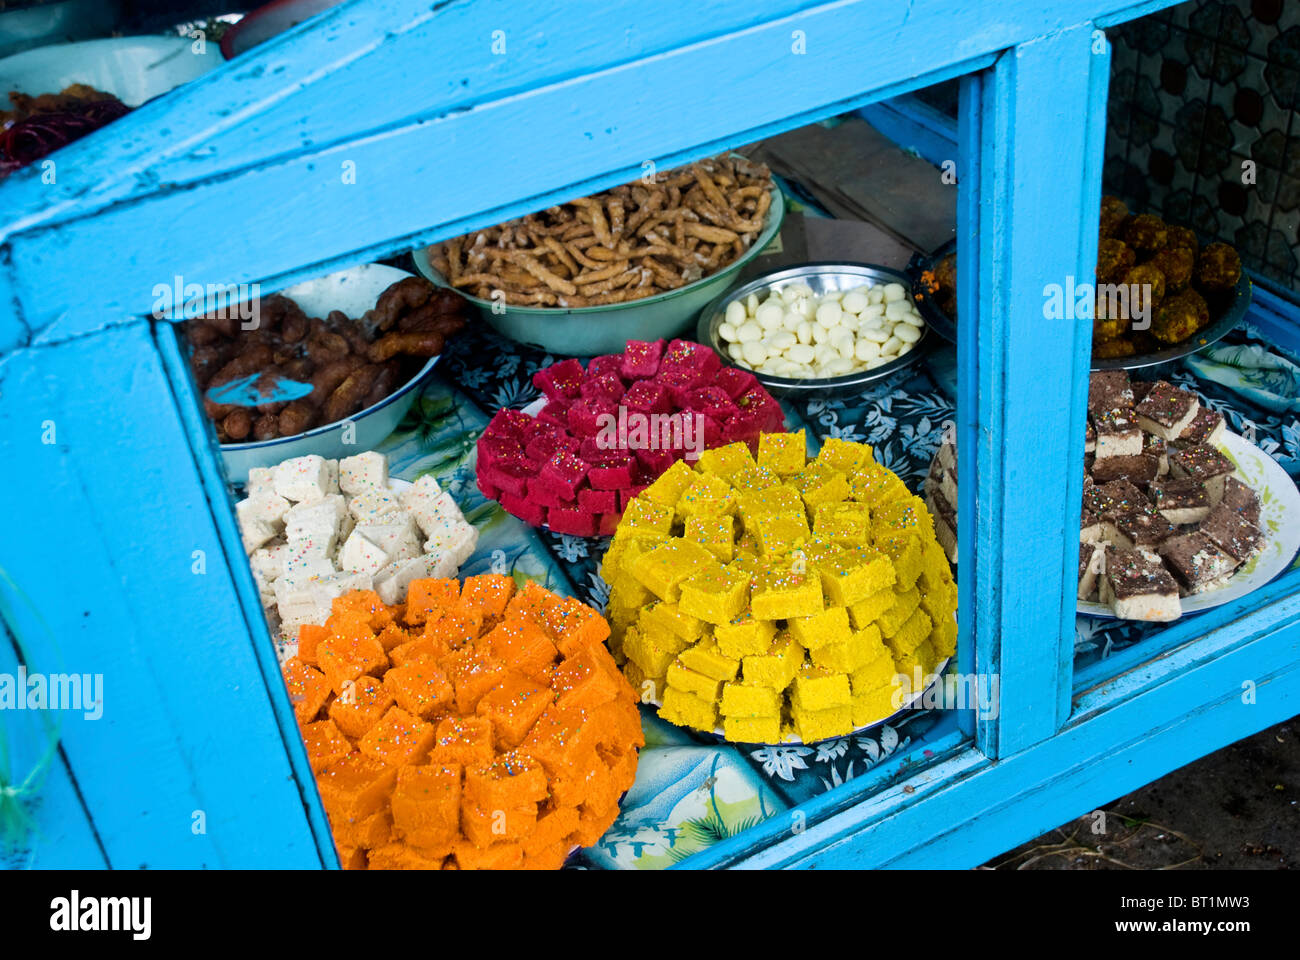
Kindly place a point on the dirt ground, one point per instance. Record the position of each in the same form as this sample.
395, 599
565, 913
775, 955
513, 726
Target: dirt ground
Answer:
1238, 808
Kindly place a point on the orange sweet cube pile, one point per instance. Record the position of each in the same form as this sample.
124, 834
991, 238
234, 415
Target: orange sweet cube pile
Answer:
474, 726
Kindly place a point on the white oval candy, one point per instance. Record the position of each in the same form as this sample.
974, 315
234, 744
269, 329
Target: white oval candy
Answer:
914, 319
769, 314
907, 333
894, 291
751, 304
805, 332
800, 353
791, 320
755, 352
736, 314
829, 313
824, 352
781, 340
876, 295
748, 332
890, 346
727, 331
866, 350
854, 301
735, 352
897, 309
876, 334
878, 362
838, 367
904, 348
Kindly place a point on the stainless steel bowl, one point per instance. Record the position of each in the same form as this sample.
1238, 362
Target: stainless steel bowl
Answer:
822, 278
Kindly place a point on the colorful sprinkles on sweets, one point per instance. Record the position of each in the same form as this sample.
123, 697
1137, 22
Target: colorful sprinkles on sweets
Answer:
608, 431
470, 727
775, 598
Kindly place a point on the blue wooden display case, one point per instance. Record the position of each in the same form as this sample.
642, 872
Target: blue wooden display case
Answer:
462, 114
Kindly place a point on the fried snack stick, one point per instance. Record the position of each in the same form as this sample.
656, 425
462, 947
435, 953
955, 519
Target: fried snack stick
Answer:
539, 298
755, 223
560, 253
297, 417
238, 424
251, 360
592, 210
206, 361
384, 383
420, 343
711, 234
201, 333
665, 276
605, 255
606, 273
328, 377
266, 427
616, 217
402, 297
426, 319
709, 188
609, 285
529, 263
347, 397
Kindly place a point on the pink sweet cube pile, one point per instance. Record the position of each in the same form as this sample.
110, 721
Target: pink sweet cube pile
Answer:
557, 470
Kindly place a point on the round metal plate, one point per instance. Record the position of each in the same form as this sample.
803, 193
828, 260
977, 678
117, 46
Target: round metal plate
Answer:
822, 278
1232, 308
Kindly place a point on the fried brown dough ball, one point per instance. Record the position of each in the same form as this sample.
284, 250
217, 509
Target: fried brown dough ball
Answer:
1145, 233
1218, 268
1180, 316
1105, 327
1150, 284
1176, 263
1183, 237
1113, 213
945, 273
1114, 259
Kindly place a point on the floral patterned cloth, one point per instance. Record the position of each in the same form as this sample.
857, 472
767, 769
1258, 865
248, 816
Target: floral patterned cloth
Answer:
693, 790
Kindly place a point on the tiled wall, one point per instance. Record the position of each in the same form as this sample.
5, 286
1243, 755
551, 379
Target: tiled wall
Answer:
1197, 91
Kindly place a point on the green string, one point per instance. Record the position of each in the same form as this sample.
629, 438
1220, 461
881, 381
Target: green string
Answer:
18, 799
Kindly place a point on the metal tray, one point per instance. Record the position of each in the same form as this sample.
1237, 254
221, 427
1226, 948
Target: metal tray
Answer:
1233, 307
821, 277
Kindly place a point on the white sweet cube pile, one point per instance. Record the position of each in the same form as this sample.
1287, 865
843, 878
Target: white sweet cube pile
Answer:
315, 529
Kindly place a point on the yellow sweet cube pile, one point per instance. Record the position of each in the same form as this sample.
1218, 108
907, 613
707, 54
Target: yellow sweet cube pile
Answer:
775, 596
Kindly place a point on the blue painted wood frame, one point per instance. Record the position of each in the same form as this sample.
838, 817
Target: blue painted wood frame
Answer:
1025, 223
236, 178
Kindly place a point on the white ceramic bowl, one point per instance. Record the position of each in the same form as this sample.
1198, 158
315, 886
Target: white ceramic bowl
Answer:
133, 69
353, 291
